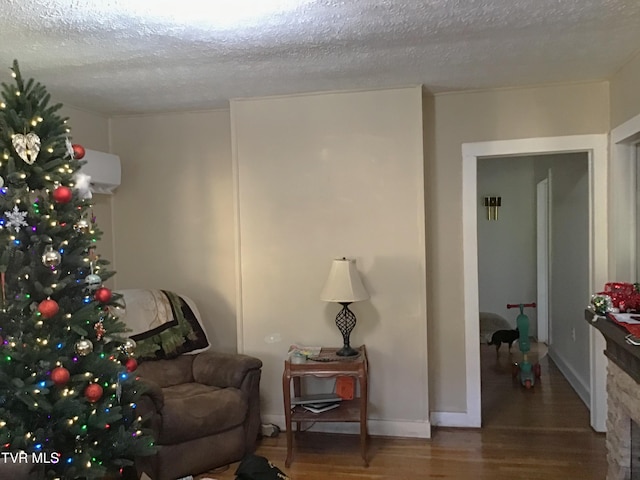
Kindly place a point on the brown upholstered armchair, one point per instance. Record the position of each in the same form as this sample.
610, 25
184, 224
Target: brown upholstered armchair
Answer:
204, 408
205, 412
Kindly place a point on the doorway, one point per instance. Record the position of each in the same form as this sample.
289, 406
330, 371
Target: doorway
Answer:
514, 266
595, 147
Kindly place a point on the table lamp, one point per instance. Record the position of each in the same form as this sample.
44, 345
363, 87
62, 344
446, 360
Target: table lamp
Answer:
344, 286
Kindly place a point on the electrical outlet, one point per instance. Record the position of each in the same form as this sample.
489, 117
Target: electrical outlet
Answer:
573, 334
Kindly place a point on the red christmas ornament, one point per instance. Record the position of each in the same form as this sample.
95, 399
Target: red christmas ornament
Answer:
93, 392
131, 364
48, 308
78, 151
62, 194
103, 295
60, 376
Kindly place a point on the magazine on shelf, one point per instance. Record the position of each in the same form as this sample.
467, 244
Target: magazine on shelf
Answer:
322, 408
320, 405
316, 398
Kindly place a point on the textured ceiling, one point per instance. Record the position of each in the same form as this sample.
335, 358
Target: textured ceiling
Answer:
121, 57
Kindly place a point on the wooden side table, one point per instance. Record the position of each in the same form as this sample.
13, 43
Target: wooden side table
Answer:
327, 365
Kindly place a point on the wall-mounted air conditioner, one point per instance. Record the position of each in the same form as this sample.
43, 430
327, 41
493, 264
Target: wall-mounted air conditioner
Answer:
104, 170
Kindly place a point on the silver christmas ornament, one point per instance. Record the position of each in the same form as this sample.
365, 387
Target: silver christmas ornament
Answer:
83, 347
93, 281
69, 147
15, 219
51, 257
129, 346
82, 225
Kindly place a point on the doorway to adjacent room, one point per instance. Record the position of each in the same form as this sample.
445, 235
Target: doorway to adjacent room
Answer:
595, 149
536, 249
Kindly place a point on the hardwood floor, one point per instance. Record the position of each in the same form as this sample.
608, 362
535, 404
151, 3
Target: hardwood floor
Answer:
541, 433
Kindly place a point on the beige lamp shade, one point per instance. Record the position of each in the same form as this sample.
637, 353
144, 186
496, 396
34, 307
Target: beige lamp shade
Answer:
344, 283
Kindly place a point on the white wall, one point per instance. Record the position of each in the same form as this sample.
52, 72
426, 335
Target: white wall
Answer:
570, 270
324, 176
625, 94
507, 247
174, 212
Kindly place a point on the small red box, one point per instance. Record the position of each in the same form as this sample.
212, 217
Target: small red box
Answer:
345, 387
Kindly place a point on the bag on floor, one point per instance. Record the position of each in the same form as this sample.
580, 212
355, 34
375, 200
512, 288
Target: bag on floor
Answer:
255, 467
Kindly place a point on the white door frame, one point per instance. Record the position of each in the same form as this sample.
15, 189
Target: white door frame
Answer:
542, 260
623, 257
596, 148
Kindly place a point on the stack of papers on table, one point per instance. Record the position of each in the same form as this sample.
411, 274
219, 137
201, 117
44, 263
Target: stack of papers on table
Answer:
316, 398
630, 318
320, 407
318, 403
304, 350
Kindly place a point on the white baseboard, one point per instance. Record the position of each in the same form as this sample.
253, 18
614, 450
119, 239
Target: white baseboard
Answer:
569, 373
453, 419
384, 428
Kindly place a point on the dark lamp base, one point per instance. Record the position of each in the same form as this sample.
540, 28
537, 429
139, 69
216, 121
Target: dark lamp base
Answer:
347, 351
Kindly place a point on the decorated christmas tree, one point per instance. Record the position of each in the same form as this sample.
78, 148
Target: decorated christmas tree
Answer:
67, 388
